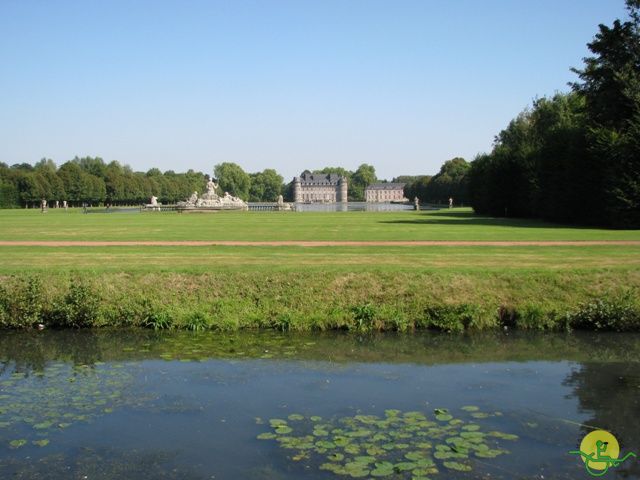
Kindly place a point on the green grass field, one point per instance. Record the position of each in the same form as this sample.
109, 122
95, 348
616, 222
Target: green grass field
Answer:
456, 224
294, 287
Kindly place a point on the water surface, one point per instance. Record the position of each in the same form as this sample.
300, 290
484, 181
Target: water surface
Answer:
145, 405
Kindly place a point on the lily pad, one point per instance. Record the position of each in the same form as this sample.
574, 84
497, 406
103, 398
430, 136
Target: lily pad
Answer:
403, 445
460, 467
17, 443
470, 408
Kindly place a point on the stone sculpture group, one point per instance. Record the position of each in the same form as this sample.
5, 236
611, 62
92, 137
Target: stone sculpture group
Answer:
212, 201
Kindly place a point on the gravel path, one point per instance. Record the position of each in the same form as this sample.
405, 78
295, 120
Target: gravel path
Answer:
293, 243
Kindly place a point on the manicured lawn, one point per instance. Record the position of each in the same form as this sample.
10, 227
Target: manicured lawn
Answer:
456, 224
219, 259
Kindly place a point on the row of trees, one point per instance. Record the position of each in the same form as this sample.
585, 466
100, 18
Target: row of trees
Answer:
450, 182
92, 180
574, 157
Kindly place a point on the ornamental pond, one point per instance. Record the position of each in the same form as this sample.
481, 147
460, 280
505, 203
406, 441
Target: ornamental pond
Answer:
181, 405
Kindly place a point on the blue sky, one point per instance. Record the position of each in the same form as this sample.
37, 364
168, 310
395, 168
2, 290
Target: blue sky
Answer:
402, 85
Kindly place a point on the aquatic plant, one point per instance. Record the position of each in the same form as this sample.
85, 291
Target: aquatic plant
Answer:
36, 404
403, 444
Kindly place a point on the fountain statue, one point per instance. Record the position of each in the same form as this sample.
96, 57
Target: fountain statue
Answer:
211, 201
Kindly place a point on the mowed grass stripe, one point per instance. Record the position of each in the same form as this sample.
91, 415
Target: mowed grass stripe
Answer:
204, 259
444, 225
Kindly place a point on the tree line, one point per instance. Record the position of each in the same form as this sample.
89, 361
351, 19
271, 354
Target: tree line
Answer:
92, 180
450, 182
574, 157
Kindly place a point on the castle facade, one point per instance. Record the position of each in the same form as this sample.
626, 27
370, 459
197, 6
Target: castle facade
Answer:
320, 188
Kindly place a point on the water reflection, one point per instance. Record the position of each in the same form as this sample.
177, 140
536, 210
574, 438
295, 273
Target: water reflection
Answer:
143, 404
359, 207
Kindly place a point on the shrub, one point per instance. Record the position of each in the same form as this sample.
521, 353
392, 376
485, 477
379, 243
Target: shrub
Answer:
197, 322
78, 308
364, 317
619, 314
158, 320
449, 318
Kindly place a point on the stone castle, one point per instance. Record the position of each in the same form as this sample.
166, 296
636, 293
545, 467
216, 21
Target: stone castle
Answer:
320, 188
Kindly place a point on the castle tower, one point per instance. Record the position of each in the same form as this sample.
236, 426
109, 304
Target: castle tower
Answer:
297, 190
343, 190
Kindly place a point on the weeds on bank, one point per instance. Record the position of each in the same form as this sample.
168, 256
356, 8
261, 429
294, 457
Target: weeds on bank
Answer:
299, 304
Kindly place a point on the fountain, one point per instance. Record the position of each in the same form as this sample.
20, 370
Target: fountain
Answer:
211, 201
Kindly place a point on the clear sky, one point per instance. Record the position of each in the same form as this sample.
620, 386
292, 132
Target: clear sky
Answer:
400, 84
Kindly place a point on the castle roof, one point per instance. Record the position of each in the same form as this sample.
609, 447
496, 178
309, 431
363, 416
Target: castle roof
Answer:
307, 178
386, 186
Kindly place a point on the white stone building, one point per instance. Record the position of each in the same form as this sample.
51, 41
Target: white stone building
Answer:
385, 192
319, 188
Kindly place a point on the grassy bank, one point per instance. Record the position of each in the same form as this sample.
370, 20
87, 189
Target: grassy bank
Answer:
315, 300
367, 288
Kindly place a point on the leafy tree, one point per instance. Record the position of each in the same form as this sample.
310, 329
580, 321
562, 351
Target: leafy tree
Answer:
31, 191
364, 176
610, 84
233, 179
92, 165
46, 164
22, 166
417, 188
265, 186
81, 186
450, 182
336, 170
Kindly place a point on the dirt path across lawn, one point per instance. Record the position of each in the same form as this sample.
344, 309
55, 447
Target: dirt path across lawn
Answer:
293, 243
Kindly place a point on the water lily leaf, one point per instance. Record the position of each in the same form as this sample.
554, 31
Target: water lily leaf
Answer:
444, 417
415, 456
423, 471
266, 436
472, 427
470, 408
295, 417
336, 457
341, 441
375, 451
41, 443
352, 449
366, 460
315, 418
504, 436
325, 444
480, 415
43, 425
491, 453
283, 429
383, 469
404, 466
17, 443
442, 455
460, 467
